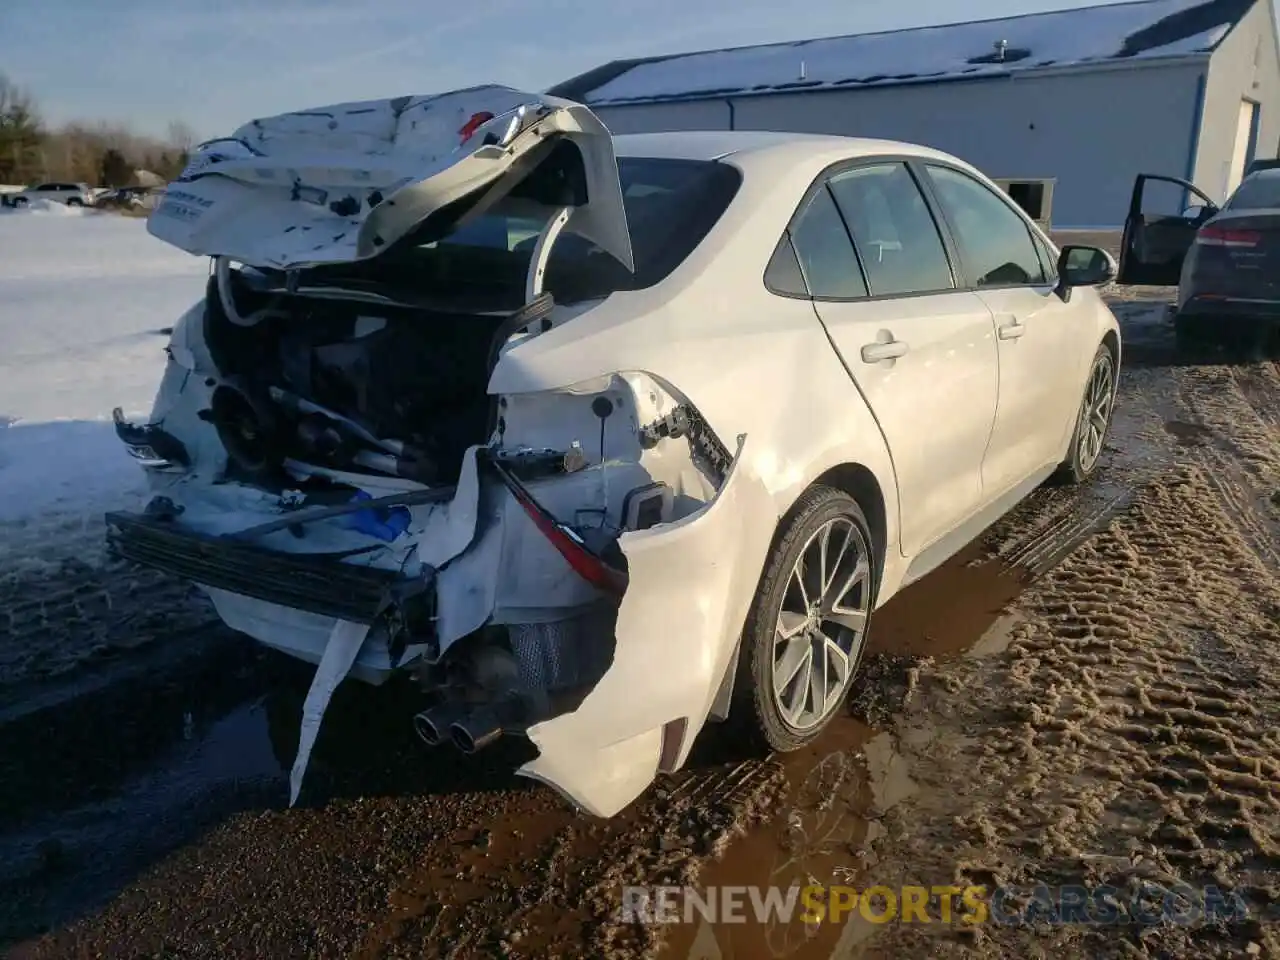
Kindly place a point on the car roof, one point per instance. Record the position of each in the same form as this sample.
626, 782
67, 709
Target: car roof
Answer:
719, 144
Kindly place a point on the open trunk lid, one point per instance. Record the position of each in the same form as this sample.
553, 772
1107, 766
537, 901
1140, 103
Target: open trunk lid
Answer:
344, 183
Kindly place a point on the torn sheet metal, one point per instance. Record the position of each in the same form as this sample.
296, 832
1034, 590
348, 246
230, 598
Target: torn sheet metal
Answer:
692, 582
345, 642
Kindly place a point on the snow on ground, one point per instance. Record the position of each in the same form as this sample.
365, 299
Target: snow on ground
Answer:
82, 298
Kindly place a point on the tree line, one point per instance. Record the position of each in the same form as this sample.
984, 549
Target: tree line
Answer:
102, 154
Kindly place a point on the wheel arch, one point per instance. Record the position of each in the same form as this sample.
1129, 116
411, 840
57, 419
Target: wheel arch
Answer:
860, 483
1111, 340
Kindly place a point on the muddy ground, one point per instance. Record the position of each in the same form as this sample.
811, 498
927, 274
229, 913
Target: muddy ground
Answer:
1088, 695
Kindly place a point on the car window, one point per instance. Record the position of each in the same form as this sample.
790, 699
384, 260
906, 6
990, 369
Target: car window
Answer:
783, 273
896, 237
1256, 193
825, 251
46, 187
994, 241
671, 206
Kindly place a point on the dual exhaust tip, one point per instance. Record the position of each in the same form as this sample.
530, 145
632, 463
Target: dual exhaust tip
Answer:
468, 730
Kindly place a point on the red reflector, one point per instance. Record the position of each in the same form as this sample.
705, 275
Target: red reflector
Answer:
477, 121
1222, 237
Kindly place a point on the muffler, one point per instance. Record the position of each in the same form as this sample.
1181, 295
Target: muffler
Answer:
433, 725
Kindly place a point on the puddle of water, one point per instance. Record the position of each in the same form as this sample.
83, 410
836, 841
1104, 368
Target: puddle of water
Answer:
59, 865
1188, 434
839, 785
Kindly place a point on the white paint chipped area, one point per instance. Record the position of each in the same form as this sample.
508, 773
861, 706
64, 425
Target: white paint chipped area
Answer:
1126, 729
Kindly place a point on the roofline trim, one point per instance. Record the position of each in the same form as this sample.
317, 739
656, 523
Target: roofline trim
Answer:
1099, 66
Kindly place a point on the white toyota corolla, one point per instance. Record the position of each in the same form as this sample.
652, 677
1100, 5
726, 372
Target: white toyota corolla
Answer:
601, 438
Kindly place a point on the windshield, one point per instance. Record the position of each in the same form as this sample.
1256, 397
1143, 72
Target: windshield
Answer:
1261, 192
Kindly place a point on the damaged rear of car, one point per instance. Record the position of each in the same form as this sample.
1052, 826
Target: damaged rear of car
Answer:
350, 455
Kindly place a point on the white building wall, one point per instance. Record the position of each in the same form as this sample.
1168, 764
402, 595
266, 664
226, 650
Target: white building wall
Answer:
1245, 67
1093, 131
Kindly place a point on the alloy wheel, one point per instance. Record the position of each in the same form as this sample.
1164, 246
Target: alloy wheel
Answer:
1095, 412
822, 623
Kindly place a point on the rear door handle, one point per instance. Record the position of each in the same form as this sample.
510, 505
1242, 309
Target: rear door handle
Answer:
883, 350
1011, 330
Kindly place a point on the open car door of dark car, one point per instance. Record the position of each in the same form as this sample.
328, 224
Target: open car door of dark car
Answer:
1154, 244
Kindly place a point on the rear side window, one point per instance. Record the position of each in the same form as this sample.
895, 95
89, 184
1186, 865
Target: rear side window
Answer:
897, 239
994, 241
825, 251
783, 273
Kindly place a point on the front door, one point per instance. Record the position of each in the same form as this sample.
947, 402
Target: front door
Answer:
921, 352
1155, 245
1043, 355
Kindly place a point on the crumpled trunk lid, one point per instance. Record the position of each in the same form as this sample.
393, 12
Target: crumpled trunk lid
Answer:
343, 183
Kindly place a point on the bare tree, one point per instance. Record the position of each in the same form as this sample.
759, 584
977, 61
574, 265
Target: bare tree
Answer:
21, 136
181, 137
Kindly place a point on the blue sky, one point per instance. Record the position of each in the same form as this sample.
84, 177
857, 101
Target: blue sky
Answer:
217, 63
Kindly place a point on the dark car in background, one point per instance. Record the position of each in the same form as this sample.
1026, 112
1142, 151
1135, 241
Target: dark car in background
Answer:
1225, 261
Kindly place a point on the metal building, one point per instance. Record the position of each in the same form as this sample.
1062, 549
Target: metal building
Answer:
1064, 108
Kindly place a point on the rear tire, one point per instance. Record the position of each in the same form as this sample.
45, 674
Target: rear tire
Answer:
1093, 421
807, 627
75, 202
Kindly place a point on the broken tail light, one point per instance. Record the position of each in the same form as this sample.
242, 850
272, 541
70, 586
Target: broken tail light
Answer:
584, 561
1223, 237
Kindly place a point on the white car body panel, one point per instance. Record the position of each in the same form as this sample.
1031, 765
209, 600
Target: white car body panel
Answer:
265, 195
1038, 369
950, 375
760, 369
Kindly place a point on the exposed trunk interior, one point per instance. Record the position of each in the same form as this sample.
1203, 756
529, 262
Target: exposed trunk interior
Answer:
407, 385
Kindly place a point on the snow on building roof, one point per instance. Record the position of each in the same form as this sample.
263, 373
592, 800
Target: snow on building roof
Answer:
1068, 38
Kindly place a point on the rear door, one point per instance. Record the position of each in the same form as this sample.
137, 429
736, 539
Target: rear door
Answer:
921, 352
1155, 245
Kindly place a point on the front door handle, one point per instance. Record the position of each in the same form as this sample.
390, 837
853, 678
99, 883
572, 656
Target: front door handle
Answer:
1011, 330
883, 350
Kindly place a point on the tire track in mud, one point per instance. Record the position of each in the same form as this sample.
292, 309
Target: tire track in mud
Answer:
1130, 734
1238, 412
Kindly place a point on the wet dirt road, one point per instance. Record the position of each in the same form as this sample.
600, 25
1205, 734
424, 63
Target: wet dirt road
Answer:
147, 818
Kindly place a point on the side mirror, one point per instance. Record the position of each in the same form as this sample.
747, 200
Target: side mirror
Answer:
1080, 266
1199, 211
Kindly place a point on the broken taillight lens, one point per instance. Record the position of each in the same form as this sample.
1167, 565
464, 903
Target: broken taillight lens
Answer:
584, 561
477, 121
1223, 237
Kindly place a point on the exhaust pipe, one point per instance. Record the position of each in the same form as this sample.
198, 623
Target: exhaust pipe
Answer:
433, 725
477, 731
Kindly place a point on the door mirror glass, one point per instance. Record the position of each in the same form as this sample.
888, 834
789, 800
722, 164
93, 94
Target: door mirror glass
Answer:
1085, 267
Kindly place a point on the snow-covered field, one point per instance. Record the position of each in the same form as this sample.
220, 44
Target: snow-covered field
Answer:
82, 298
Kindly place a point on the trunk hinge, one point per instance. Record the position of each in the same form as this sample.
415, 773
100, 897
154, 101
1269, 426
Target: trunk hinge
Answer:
542, 253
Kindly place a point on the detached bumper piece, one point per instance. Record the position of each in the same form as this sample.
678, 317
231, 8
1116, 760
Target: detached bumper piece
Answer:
319, 584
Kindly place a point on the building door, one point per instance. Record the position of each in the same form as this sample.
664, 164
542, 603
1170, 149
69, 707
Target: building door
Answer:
1246, 145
